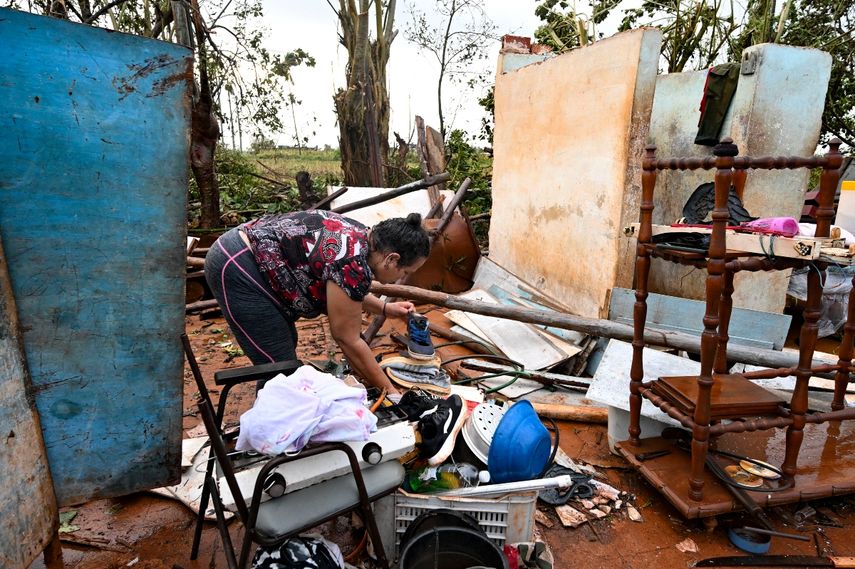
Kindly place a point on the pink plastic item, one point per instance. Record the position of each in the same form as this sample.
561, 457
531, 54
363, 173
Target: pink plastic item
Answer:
785, 226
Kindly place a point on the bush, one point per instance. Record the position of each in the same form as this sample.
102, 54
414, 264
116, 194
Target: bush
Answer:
464, 160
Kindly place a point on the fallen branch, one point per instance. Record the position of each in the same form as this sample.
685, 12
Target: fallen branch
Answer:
329, 199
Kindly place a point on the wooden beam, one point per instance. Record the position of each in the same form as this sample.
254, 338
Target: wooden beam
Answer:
400, 191
328, 200
592, 326
572, 413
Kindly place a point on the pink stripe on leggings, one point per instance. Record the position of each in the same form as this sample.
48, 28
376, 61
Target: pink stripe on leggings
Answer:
232, 260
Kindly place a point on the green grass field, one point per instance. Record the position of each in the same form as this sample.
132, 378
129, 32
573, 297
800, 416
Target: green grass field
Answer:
322, 165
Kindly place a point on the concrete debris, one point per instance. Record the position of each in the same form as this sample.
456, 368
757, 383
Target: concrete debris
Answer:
688, 545
542, 519
570, 516
605, 491
633, 514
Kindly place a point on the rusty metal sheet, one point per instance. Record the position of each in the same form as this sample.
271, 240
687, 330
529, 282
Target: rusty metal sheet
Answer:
93, 183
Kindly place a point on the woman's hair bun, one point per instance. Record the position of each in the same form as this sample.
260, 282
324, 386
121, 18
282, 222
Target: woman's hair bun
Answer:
414, 219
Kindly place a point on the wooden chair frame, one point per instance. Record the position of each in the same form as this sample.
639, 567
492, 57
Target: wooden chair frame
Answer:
721, 265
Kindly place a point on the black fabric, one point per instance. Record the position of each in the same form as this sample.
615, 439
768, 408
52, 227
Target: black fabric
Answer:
702, 201
296, 553
718, 93
683, 241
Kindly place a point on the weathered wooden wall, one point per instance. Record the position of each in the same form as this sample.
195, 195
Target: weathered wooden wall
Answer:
28, 511
570, 133
93, 182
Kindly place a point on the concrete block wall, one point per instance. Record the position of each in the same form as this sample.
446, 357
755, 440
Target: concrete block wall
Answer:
570, 134
777, 110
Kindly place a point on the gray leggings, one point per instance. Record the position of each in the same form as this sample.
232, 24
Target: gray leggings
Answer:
252, 309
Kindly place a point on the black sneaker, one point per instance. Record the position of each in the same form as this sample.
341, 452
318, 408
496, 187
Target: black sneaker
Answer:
439, 427
414, 403
419, 345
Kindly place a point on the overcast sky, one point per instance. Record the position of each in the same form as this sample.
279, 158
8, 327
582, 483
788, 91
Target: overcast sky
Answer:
311, 25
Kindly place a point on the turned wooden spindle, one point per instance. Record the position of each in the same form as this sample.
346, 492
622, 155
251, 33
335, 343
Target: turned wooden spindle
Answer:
642, 272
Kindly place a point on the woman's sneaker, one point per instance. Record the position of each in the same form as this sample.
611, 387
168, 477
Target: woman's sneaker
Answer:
419, 345
415, 402
439, 427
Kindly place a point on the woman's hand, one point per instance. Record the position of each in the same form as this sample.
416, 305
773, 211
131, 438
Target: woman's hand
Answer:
398, 309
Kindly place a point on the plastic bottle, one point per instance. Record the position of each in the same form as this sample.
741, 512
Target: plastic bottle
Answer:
443, 477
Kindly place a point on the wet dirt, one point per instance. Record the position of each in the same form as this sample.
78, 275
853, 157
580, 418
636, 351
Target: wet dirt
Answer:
146, 531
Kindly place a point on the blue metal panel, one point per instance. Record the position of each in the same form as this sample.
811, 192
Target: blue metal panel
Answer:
754, 328
93, 182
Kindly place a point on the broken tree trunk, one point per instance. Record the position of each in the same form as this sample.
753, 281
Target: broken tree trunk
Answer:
405, 189
592, 326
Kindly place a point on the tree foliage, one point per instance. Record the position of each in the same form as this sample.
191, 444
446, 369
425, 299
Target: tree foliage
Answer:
829, 25
700, 33
231, 63
362, 107
456, 34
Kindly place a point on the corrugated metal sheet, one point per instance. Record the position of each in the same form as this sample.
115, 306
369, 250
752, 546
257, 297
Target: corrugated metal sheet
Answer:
93, 181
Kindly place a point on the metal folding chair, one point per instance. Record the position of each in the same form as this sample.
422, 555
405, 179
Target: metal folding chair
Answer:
272, 522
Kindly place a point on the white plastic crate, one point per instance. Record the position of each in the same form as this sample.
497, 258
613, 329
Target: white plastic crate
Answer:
506, 519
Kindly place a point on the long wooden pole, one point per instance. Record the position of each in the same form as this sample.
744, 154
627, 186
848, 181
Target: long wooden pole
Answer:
405, 189
592, 326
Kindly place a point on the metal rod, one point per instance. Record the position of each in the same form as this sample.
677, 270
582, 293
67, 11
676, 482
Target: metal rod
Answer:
777, 533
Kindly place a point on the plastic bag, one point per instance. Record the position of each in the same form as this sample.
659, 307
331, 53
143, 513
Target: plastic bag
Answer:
835, 296
304, 552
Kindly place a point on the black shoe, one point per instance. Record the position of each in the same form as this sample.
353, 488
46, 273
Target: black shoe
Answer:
415, 402
419, 345
439, 427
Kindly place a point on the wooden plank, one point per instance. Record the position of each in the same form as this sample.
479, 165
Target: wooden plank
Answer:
488, 273
519, 341
435, 150
570, 336
610, 385
27, 505
798, 247
747, 327
94, 158
463, 320
561, 339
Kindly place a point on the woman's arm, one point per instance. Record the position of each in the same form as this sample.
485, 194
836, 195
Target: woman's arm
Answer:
392, 309
345, 317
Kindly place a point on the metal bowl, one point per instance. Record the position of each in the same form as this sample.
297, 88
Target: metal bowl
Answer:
480, 426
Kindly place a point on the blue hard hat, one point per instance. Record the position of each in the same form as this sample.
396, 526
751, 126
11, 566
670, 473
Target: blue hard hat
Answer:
521, 445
